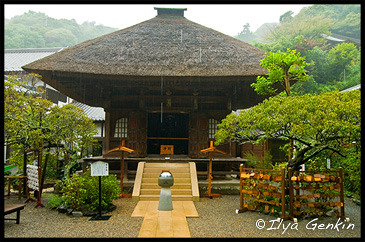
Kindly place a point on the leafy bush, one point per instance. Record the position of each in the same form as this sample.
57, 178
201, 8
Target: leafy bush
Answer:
82, 192
279, 165
259, 162
351, 165
54, 202
57, 188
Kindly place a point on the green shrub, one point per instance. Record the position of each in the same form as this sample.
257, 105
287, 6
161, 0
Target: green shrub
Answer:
351, 165
254, 161
82, 192
54, 202
57, 188
279, 165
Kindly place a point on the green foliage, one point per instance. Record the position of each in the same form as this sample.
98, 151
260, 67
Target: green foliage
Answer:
351, 165
246, 35
286, 17
341, 56
279, 165
283, 68
331, 67
352, 170
51, 169
74, 192
82, 192
345, 18
316, 123
254, 161
319, 64
313, 21
37, 30
54, 202
57, 188
31, 123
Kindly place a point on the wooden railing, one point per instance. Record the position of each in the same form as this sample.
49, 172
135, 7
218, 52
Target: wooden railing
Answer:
293, 193
260, 186
316, 191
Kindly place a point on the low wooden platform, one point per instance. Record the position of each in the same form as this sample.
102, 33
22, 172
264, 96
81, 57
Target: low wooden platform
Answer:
165, 223
12, 208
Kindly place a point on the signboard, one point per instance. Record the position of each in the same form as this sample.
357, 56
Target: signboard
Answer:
302, 167
32, 173
328, 163
99, 168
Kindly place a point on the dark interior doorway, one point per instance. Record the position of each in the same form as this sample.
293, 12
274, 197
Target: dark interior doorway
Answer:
168, 129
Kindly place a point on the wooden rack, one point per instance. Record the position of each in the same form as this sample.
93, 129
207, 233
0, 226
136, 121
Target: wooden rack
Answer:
262, 186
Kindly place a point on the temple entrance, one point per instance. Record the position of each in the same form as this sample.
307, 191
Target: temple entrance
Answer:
169, 130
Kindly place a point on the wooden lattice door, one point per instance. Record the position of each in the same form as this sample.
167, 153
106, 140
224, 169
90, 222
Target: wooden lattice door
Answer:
137, 134
198, 135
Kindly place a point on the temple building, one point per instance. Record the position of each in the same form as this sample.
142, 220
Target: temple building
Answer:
164, 83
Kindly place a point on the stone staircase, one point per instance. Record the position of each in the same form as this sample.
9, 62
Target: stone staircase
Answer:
185, 186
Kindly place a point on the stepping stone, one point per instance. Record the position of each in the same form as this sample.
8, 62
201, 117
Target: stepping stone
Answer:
165, 223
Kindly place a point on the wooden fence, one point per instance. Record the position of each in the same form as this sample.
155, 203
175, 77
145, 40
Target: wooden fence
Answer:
316, 192
260, 186
292, 193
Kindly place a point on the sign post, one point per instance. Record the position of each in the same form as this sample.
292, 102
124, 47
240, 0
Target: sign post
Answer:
211, 150
122, 148
100, 169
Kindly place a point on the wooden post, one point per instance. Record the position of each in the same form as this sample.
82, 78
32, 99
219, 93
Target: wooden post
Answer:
241, 187
210, 177
283, 193
39, 202
9, 187
107, 131
20, 188
122, 170
122, 148
291, 193
342, 198
25, 159
44, 169
211, 149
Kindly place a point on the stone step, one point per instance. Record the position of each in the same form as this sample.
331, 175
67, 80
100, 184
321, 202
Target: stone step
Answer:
156, 186
165, 165
176, 180
173, 191
185, 184
173, 197
172, 170
175, 175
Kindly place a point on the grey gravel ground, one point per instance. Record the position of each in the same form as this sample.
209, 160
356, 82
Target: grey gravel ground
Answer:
217, 219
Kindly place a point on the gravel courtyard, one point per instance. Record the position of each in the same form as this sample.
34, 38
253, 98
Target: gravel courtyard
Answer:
217, 219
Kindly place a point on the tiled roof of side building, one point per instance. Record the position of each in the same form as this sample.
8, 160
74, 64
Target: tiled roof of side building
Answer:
357, 87
14, 59
95, 113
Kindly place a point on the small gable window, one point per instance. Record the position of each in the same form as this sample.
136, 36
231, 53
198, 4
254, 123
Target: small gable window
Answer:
121, 128
212, 128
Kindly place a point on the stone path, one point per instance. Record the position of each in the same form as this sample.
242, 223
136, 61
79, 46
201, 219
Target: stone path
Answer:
165, 223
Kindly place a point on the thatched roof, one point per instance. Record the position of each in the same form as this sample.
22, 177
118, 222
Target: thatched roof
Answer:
161, 46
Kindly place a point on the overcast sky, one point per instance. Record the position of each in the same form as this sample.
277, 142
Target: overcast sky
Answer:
226, 18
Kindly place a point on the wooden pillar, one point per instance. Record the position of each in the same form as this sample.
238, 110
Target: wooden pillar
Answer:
106, 142
283, 193
291, 194
241, 187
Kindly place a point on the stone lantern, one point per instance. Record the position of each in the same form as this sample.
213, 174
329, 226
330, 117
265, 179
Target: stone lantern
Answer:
165, 181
